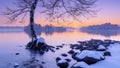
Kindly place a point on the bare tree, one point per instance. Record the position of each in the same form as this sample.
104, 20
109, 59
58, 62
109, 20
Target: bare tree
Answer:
56, 9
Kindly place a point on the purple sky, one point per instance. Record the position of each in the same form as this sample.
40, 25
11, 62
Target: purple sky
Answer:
108, 11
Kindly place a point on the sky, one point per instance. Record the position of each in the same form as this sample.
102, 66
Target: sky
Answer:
106, 11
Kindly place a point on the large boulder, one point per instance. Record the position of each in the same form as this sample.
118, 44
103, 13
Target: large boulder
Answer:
63, 63
90, 57
80, 65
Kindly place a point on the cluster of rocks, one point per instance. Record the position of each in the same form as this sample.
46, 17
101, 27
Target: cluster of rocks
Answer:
92, 44
90, 52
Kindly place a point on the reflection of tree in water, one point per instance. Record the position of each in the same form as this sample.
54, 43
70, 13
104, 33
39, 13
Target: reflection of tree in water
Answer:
36, 27
33, 62
48, 29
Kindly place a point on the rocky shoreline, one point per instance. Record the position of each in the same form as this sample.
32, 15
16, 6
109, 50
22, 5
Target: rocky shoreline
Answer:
85, 53
90, 52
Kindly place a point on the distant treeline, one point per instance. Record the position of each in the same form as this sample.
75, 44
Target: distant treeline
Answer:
106, 26
10, 27
106, 29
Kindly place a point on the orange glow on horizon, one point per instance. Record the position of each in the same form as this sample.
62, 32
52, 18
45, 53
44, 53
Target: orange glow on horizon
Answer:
74, 24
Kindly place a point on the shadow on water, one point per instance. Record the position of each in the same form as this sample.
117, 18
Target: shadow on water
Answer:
33, 62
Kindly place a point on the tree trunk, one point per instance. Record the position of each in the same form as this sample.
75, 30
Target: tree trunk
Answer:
32, 12
33, 34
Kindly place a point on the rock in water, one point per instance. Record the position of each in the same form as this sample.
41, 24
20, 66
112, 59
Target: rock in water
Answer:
80, 65
68, 60
101, 48
57, 59
64, 55
71, 52
90, 57
107, 53
63, 64
17, 53
16, 65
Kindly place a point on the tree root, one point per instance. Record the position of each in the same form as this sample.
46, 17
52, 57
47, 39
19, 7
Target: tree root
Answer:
39, 46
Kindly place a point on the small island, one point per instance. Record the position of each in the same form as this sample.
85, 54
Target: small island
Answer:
106, 29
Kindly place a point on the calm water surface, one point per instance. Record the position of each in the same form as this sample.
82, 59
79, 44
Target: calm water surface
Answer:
15, 42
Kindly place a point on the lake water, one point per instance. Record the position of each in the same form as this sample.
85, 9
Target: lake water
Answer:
12, 42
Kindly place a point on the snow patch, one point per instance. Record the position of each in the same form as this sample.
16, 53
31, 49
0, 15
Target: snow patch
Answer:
88, 53
101, 47
80, 65
110, 61
42, 40
62, 61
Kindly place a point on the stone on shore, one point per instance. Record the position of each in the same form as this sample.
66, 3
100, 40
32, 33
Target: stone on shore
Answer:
80, 65
63, 63
101, 48
90, 57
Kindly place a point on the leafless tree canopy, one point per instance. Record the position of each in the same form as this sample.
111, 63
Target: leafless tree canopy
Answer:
55, 9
